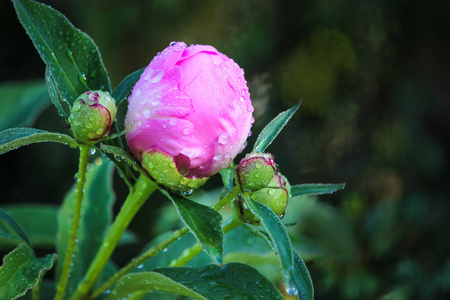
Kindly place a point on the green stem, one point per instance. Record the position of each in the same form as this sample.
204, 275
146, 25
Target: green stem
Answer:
153, 251
139, 194
193, 251
225, 200
81, 179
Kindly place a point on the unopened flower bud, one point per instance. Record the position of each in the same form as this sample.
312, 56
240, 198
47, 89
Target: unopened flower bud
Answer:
91, 116
275, 196
256, 170
192, 104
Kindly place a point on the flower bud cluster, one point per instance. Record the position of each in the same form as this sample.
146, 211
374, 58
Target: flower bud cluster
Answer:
259, 176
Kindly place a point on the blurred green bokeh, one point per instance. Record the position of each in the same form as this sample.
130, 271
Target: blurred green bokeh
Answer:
374, 80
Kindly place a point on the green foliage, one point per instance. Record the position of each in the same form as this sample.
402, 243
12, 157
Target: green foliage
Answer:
315, 189
297, 282
14, 138
122, 91
11, 230
270, 132
204, 222
21, 271
21, 103
231, 281
71, 55
38, 221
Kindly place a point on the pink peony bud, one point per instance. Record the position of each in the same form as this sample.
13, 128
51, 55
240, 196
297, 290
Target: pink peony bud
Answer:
91, 116
192, 104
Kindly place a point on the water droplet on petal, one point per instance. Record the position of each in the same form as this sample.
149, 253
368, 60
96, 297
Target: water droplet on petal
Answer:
173, 121
223, 139
156, 76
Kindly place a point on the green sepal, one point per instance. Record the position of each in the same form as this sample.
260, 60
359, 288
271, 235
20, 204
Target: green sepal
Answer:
163, 170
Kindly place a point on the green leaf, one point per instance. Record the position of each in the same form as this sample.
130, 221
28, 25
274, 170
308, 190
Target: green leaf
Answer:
55, 94
278, 238
38, 221
21, 271
227, 178
10, 229
204, 222
122, 91
143, 282
270, 132
231, 281
119, 154
95, 220
72, 55
164, 258
315, 189
302, 280
14, 138
21, 103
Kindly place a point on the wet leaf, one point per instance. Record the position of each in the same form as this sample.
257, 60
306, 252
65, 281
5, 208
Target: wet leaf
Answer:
270, 132
315, 189
141, 283
72, 56
204, 222
21, 271
14, 138
231, 281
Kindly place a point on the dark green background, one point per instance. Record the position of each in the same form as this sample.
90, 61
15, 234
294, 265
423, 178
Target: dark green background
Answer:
373, 77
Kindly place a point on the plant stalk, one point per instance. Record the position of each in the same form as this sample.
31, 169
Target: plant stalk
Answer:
139, 194
81, 179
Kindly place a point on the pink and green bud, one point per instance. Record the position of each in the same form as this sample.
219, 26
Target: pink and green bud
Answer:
256, 170
192, 104
91, 116
275, 196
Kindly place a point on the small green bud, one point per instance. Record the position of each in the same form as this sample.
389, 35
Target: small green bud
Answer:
275, 196
256, 170
162, 168
91, 116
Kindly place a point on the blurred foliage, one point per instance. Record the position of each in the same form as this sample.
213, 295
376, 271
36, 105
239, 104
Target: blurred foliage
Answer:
373, 77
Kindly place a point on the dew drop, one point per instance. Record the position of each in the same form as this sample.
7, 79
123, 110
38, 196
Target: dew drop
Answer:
186, 130
164, 125
218, 156
187, 193
156, 76
173, 44
92, 151
173, 121
223, 139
